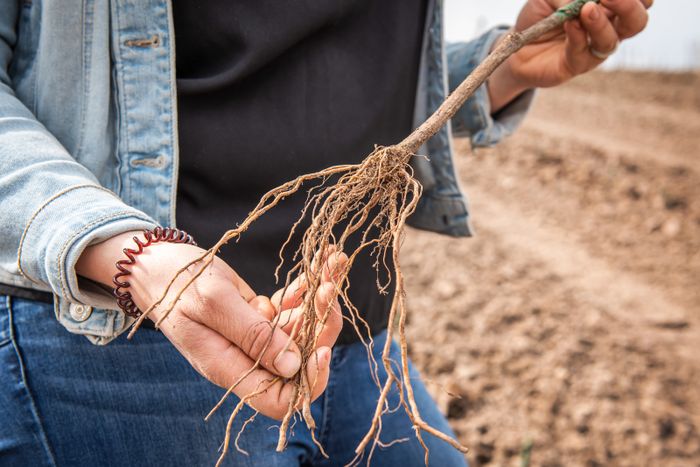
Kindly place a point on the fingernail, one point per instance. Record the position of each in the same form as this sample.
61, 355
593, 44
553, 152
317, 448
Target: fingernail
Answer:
287, 363
595, 13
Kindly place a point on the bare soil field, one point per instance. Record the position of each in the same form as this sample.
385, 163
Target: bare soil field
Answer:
567, 332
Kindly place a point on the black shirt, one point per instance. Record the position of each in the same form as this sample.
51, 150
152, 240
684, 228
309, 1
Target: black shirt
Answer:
269, 90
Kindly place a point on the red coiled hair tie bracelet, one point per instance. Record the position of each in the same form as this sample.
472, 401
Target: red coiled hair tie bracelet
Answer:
159, 234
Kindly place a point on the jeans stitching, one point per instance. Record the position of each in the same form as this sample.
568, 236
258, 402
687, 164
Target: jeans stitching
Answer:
33, 407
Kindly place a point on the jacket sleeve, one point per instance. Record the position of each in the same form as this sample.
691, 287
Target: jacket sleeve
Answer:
475, 119
51, 207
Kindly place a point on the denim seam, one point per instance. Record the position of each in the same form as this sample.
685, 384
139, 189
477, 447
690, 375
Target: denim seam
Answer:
35, 83
34, 410
122, 96
65, 289
36, 214
85, 54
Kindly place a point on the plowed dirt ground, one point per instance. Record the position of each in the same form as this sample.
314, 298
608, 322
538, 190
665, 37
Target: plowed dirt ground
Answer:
567, 332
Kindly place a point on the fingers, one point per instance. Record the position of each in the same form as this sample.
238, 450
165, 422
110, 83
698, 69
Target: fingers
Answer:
223, 310
325, 301
290, 297
603, 36
594, 30
631, 15
328, 309
601, 27
334, 264
318, 371
294, 294
289, 301
243, 288
224, 364
578, 56
335, 267
289, 321
264, 306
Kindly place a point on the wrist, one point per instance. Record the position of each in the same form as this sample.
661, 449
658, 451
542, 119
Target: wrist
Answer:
153, 269
504, 86
97, 262
136, 263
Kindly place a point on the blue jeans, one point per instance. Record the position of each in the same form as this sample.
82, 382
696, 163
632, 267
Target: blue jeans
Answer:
65, 402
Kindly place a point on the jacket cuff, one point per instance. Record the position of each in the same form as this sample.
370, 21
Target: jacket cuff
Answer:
62, 228
474, 119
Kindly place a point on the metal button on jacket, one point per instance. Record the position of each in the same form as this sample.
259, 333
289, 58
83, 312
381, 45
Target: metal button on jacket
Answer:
80, 313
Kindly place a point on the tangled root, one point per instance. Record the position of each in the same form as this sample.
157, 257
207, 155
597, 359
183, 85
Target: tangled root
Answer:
370, 201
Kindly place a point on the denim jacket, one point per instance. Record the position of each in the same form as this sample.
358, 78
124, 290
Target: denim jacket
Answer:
89, 140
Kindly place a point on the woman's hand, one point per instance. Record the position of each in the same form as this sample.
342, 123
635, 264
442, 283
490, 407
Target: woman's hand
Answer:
219, 324
565, 53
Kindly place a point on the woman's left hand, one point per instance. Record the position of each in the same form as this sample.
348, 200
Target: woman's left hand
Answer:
578, 48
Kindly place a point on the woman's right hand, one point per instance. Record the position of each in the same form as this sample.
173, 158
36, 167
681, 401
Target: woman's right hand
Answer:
219, 324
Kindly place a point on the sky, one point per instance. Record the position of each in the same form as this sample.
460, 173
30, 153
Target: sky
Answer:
671, 40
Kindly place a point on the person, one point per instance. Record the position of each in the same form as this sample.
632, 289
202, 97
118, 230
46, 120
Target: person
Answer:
105, 129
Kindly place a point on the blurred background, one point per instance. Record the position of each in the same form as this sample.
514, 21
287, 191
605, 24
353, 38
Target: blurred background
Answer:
670, 42
567, 332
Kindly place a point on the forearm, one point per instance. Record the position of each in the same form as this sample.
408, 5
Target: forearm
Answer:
477, 119
51, 206
152, 270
